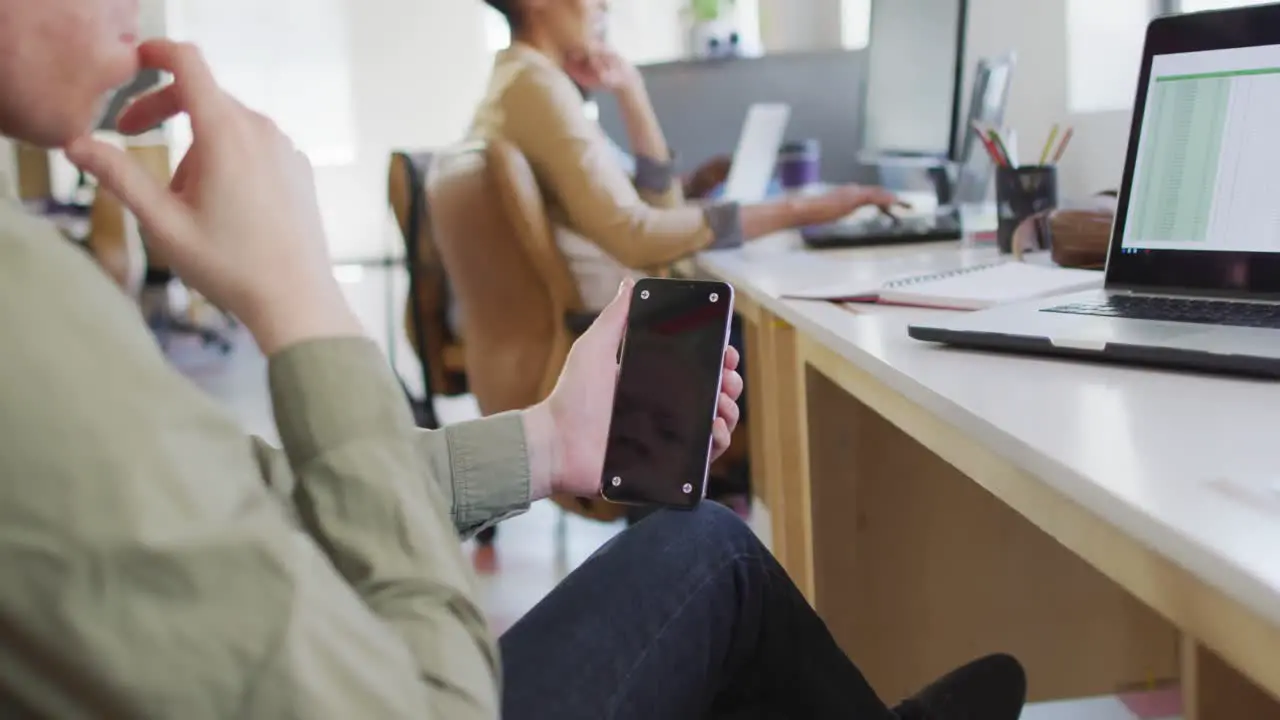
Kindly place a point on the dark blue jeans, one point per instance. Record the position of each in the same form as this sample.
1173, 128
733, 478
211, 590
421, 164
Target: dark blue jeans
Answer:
684, 615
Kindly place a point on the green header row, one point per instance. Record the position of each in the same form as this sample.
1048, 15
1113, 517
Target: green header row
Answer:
1224, 74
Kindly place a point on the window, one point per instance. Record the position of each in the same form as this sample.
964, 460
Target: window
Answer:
855, 24
1104, 52
288, 59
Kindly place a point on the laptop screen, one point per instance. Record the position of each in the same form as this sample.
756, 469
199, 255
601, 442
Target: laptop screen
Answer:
1198, 210
757, 153
1209, 154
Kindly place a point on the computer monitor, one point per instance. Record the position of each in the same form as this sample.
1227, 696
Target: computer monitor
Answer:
987, 106
915, 60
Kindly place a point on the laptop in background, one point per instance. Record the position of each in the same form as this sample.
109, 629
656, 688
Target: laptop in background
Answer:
1193, 271
757, 153
973, 170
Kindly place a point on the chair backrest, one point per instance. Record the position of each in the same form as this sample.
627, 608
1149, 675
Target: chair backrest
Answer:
426, 306
115, 239
115, 243
510, 280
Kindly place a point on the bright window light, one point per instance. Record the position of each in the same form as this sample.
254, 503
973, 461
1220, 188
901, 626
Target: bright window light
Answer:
1104, 53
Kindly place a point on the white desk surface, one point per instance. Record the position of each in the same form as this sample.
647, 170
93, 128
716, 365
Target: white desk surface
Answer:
1186, 464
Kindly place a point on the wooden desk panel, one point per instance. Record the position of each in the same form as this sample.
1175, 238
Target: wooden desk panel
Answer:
923, 545
916, 568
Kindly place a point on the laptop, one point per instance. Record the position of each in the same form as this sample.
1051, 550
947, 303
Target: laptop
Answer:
973, 170
1193, 270
757, 153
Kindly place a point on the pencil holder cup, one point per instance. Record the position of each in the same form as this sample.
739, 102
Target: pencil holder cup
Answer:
1020, 193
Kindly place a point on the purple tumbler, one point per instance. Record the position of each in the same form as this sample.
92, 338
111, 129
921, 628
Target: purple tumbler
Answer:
800, 164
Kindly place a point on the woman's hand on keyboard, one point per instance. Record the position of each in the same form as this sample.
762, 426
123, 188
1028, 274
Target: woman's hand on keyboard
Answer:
842, 200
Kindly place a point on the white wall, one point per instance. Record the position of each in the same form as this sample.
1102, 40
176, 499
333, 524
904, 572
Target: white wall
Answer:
416, 71
151, 18
419, 68
801, 25
1038, 98
649, 31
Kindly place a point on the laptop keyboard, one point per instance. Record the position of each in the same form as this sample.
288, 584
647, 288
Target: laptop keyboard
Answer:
1187, 310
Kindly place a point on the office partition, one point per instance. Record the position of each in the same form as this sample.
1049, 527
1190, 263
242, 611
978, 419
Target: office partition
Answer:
702, 105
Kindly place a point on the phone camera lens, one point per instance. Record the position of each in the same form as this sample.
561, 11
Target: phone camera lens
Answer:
644, 294
715, 297
617, 481
688, 488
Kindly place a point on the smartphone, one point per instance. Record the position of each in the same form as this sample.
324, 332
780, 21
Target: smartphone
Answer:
669, 375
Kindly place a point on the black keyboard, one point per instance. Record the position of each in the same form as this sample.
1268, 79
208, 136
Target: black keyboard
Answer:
1187, 310
882, 230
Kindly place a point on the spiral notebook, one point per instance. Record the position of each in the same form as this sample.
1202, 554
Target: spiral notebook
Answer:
970, 288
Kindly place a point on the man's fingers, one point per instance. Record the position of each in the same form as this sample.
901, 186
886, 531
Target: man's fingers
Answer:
612, 321
196, 90
731, 358
157, 209
150, 110
182, 175
731, 384
727, 410
721, 436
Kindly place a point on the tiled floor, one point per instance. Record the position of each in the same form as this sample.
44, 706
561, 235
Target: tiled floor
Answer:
534, 551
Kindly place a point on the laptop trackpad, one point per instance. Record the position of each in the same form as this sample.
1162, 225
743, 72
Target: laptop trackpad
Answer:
1095, 336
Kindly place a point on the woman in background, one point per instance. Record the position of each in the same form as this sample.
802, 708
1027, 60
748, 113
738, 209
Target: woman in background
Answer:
617, 216
611, 224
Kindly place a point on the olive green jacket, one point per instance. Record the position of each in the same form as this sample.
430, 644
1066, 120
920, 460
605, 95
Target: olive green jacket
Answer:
155, 562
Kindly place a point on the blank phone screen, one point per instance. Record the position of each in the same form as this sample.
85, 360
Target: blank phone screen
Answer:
668, 387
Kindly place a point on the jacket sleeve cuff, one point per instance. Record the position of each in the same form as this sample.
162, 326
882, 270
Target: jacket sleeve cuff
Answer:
653, 176
327, 393
489, 459
725, 221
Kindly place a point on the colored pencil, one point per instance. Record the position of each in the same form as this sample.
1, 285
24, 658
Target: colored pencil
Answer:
1048, 144
985, 138
1062, 148
1000, 146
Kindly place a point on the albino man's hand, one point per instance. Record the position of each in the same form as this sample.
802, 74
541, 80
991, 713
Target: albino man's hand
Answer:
240, 223
578, 410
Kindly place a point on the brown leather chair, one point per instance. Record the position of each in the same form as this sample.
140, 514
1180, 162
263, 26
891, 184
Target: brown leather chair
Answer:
517, 299
426, 308
109, 243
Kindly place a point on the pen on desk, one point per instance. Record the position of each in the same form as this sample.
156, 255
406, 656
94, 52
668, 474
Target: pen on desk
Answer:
1048, 144
1062, 147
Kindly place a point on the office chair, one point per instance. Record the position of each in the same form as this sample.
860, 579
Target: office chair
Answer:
439, 353
166, 324
164, 321
115, 244
117, 251
517, 299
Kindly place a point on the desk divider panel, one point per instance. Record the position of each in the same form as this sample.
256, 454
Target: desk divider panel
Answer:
703, 103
